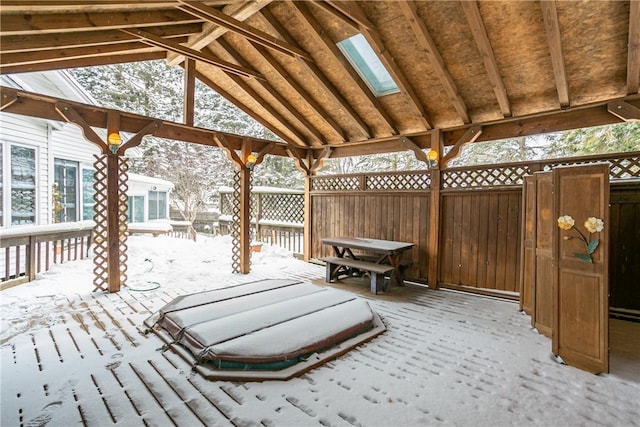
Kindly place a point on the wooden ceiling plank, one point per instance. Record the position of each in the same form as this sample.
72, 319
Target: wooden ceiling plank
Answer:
193, 54
633, 55
239, 27
65, 22
245, 108
481, 39
304, 95
89, 61
211, 32
313, 27
274, 93
552, 28
375, 41
35, 42
429, 47
315, 72
42, 57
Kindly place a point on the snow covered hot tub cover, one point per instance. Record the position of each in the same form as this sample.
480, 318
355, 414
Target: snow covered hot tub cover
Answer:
268, 329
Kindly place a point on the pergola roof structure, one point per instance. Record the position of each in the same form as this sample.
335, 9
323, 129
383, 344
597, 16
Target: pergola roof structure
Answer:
464, 71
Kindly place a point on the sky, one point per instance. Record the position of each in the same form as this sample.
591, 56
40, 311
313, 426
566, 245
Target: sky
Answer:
70, 356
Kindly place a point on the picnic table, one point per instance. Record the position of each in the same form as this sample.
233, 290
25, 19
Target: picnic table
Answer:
386, 258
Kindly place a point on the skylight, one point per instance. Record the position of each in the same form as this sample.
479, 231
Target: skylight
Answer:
368, 65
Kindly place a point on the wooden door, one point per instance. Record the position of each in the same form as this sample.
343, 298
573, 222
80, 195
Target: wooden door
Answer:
581, 321
542, 317
528, 251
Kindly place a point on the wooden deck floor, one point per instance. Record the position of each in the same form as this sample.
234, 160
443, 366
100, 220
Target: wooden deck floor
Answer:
442, 361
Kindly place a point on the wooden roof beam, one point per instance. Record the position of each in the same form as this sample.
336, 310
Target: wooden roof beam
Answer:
38, 6
257, 36
633, 55
435, 59
212, 32
315, 72
234, 100
64, 22
149, 54
375, 41
274, 93
479, 33
306, 18
308, 99
22, 62
40, 42
193, 54
44, 107
552, 28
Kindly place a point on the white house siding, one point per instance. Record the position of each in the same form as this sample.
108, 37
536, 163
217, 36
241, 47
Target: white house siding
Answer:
32, 133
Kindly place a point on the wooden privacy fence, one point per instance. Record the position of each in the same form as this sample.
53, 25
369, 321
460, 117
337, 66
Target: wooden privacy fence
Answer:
277, 217
480, 210
27, 251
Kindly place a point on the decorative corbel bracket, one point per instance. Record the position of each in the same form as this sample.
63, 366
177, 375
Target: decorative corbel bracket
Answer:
70, 115
8, 98
305, 161
137, 138
469, 136
417, 151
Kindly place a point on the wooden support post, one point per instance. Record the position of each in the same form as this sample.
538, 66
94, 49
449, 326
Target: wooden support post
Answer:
434, 215
189, 91
245, 220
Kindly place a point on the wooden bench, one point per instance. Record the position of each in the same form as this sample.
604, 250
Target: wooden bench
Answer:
375, 271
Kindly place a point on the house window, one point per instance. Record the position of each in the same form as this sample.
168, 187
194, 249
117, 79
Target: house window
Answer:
157, 204
135, 209
87, 194
65, 197
365, 61
23, 185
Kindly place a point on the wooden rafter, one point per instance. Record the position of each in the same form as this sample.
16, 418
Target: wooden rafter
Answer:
299, 90
315, 72
245, 108
149, 54
53, 23
21, 61
257, 36
633, 56
190, 53
486, 52
38, 6
40, 42
552, 28
212, 32
274, 93
376, 43
314, 29
435, 59
300, 139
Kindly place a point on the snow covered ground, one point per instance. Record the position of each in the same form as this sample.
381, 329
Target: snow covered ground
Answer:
73, 357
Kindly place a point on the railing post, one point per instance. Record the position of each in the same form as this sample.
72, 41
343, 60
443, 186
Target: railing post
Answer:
31, 258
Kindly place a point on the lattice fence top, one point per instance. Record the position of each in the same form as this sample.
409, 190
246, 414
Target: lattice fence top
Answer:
619, 168
402, 181
486, 177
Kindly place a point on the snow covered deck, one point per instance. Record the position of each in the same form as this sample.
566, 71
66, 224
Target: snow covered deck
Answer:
70, 357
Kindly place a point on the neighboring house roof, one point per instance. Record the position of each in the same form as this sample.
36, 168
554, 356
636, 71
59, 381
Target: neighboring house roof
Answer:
57, 83
149, 180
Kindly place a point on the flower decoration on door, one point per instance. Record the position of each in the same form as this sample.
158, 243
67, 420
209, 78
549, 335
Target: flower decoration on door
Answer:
593, 225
